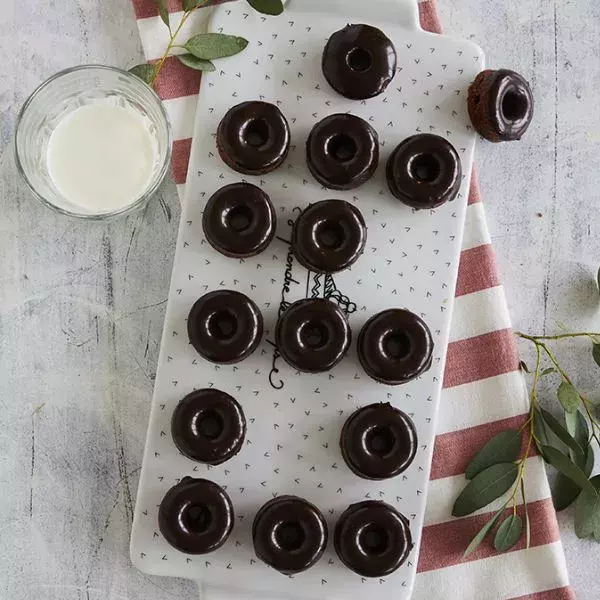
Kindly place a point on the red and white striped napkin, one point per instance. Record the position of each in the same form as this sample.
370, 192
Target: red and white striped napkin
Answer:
484, 392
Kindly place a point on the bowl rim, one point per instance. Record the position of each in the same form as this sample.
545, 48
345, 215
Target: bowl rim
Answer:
146, 195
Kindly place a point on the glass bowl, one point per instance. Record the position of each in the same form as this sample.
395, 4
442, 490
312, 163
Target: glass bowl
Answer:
62, 94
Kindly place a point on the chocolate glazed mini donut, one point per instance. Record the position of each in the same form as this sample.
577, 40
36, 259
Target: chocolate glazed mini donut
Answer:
500, 105
225, 327
342, 152
378, 442
372, 538
395, 346
359, 61
196, 516
253, 138
239, 220
208, 426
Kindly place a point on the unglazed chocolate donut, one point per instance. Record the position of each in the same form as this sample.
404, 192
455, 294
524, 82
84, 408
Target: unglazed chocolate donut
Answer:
359, 61
208, 426
424, 171
225, 326
395, 346
253, 138
239, 220
196, 516
342, 151
378, 441
289, 534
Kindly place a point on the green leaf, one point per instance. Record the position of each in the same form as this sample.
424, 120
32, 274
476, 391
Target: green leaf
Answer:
561, 433
568, 396
578, 428
189, 60
598, 279
587, 511
190, 4
145, 72
523, 366
267, 7
596, 353
508, 533
564, 492
482, 533
209, 46
543, 436
548, 371
485, 487
502, 448
162, 11
566, 466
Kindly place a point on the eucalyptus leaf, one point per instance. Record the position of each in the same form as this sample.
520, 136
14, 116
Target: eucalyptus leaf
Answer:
598, 279
596, 353
189, 60
191, 4
209, 46
523, 366
543, 435
566, 466
548, 371
267, 7
561, 433
485, 487
508, 533
577, 426
502, 448
162, 11
568, 396
587, 511
565, 491
482, 533
145, 72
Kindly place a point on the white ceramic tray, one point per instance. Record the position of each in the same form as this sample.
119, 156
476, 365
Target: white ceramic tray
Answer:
411, 261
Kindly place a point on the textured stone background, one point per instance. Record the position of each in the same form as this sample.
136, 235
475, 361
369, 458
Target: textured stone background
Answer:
81, 304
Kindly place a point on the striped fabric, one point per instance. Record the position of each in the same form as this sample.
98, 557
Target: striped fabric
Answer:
483, 393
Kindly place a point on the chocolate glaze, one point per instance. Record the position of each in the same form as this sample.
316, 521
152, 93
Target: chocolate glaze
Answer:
359, 61
208, 426
313, 335
196, 516
378, 441
239, 220
372, 538
329, 236
253, 138
395, 346
289, 534
342, 151
500, 105
225, 326
424, 171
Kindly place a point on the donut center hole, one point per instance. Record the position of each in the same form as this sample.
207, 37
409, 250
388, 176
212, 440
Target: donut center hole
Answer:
425, 168
239, 218
222, 325
374, 540
397, 345
290, 536
359, 59
380, 441
256, 133
198, 518
514, 106
330, 235
314, 335
342, 147
210, 424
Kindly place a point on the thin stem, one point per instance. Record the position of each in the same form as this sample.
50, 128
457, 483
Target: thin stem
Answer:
561, 336
172, 37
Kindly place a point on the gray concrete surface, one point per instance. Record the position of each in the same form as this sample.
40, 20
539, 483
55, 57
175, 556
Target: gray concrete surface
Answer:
76, 368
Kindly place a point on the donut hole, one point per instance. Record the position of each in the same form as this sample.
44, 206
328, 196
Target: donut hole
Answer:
514, 106
396, 345
222, 325
210, 424
314, 335
289, 536
425, 168
373, 540
359, 59
256, 133
239, 218
380, 441
197, 518
330, 235
341, 147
